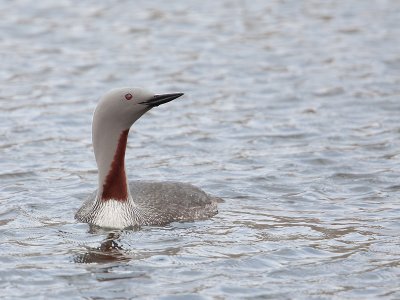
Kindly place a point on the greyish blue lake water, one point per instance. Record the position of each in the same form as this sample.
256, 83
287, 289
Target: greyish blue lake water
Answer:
291, 114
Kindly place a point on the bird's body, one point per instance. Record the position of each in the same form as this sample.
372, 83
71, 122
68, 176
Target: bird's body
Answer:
119, 204
152, 203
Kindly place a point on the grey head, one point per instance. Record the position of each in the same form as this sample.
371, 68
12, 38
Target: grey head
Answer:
121, 107
115, 113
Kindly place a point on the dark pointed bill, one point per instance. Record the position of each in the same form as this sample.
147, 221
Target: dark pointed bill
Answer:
157, 100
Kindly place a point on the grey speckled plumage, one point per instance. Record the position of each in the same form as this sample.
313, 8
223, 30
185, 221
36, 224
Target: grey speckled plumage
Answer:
160, 203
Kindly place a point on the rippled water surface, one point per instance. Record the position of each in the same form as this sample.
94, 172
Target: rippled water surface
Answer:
291, 114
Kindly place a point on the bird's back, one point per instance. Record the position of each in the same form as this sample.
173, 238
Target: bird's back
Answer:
164, 202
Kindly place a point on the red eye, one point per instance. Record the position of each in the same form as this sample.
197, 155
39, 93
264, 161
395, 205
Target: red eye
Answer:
128, 96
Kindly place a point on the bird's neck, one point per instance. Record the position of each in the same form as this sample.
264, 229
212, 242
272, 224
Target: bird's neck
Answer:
109, 147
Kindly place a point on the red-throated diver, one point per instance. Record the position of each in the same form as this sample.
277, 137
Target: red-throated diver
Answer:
119, 204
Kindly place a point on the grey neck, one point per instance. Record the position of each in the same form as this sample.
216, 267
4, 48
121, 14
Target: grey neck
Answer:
105, 144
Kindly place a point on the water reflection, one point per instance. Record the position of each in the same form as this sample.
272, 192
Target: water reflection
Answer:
108, 251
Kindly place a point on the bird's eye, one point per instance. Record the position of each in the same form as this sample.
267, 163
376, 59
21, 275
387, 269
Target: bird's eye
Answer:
128, 96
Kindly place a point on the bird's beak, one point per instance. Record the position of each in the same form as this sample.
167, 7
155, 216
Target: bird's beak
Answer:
157, 100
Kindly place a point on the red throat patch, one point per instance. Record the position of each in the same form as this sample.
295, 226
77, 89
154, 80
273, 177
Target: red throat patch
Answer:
115, 186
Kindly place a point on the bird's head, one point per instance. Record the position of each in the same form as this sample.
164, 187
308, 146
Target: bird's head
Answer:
123, 106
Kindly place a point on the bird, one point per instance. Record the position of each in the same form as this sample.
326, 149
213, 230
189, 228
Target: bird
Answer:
118, 203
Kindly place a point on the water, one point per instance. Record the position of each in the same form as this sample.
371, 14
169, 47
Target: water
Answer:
291, 114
